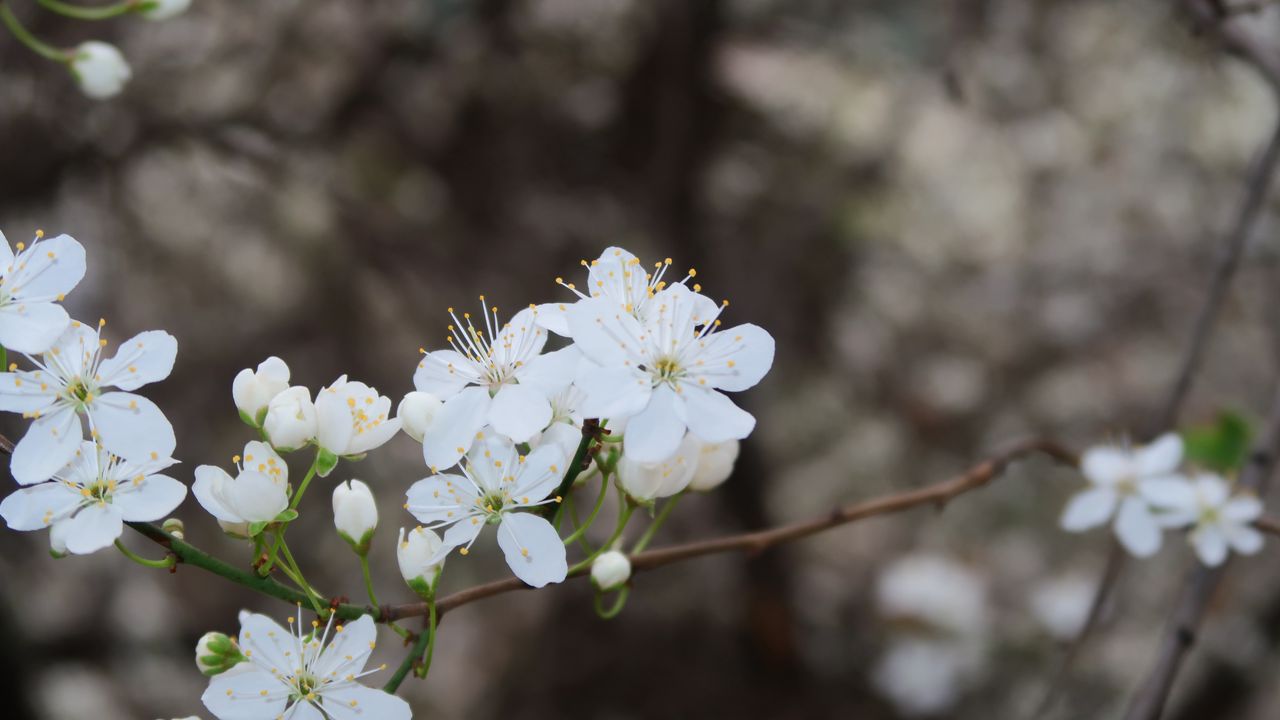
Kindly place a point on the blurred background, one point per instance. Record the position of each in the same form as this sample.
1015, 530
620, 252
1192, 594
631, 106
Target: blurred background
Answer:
965, 223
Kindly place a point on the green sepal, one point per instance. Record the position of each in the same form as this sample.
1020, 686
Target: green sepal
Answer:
361, 548
286, 515
1222, 446
326, 461
255, 529
355, 458
247, 420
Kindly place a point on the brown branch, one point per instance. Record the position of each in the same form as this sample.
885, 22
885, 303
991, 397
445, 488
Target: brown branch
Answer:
1208, 19
753, 542
1149, 700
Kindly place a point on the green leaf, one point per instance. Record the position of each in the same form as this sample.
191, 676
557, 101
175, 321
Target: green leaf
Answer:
326, 461
287, 516
1223, 446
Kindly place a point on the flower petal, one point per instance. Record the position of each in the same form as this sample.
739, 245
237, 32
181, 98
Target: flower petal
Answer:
151, 499
735, 359
554, 317
713, 417
32, 327
26, 391
461, 533
357, 702
349, 650
1242, 509
552, 372
1210, 544
93, 528
47, 269
605, 334
1089, 509
519, 339
142, 359
443, 373
334, 422
519, 412
1106, 465
1160, 457
238, 695
210, 489
255, 497
38, 506
1243, 539
1136, 528
540, 473
533, 549
613, 392
50, 443
454, 430
132, 427
1172, 491
655, 433
265, 642
441, 498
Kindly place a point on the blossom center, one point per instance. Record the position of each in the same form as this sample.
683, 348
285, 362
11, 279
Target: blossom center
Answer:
667, 368
305, 686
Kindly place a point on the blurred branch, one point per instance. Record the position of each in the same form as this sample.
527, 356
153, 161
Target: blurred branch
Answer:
1214, 19
1149, 701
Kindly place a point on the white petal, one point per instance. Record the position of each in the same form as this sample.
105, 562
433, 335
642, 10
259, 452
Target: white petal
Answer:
460, 533
373, 436
491, 460
36, 507
238, 695
1212, 490
262, 457
533, 549
27, 391
255, 497
455, 428
304, 711
209, 489
1172, 491
554, 317
1136, 528
132, 427
552, 372
519, 339
541, 472
1243, 539
265, 642
47, 269
519, 412
152, 499
440, 498
564, 435
76, 348
93, 528
142, 359
6, 254
1210, 545
32, 327
656, 432
1161, 457
1106, 465
735, 359
1242, 509
713, 417
604, 333
357, 702
50, 443
334, 423
613, 392
443, 373
349, 650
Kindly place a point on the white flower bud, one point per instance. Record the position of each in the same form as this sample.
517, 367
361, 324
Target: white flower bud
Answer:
355, 514
58, 538
418, 553
416, 412
291, 419
715, 465
610, 570
216, 653
164, 9
648, 481
100, 69
252, 391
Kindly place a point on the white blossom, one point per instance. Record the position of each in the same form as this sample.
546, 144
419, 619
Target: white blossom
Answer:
1061, 605
352, 418
253, 390
645, 481
100, 69
90, 499
497, 486
935, 591
164, 9
1219, 521
715, 465
31, 284
494, 375
667, 371
417, 411
420, 558
297, 675
610, 570
291, 419
1129, 484
355, 514
258, 493
924, 676
73, 379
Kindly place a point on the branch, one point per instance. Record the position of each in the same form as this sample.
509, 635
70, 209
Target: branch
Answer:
1208, 18
1149, 701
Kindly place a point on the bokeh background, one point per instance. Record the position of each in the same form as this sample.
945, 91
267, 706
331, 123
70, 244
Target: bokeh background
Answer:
965, 222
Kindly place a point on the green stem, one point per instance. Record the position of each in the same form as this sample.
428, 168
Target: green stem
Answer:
368, 581
4, 358
302, 487
612, 611
432, 622
91, 13
650, 531
293, 505
24, 36
164, 564
582, 529
302, 581
575, 469
425, 640
623, 518
573, 518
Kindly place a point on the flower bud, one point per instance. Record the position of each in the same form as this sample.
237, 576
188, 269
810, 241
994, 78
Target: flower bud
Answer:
164, 9
416, 412
420, 557
216, 653
58, 539
252, 391
610, 570
355, 514
174, 527
100, 69
647, 481
715, 465
291, 419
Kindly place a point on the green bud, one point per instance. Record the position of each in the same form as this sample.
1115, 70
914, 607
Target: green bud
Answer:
216, 653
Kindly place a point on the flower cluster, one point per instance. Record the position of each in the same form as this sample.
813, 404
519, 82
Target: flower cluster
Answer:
82, 488
1142, 491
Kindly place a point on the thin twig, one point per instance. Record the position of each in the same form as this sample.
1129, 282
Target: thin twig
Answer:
1149, 700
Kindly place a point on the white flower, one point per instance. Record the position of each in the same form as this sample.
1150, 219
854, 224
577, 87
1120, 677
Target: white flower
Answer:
257, 494
496, 484
1221, 522
610, 570
715, 465
936, 591
1062, 604
417, 410
296, 675
253, 391
420, 558
73, 379
925, 676
494, 375
618, 278
291, 419
164, 9
90, 499
355, 514
352, 418
30, 284
100, 69
1132, 480
666, 372
646, 481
